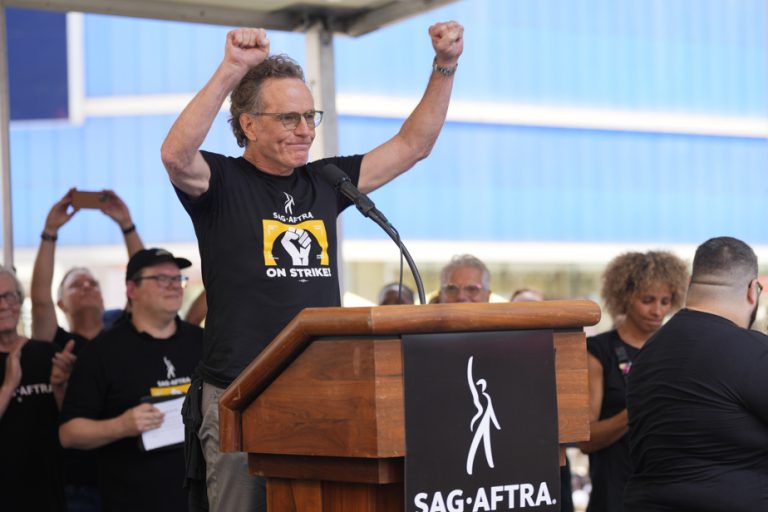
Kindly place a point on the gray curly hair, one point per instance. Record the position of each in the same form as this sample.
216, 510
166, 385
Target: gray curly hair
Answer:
465, 260
246, 97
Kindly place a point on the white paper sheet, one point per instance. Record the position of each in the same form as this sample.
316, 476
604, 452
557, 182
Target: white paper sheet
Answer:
172, 429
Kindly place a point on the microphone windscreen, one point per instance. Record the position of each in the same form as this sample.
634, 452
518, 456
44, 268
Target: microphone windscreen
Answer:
333, 175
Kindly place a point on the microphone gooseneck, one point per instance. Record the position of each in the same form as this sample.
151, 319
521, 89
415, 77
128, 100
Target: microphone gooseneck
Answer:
339, 180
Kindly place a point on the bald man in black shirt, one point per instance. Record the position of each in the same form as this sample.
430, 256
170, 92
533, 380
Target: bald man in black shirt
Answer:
697, 400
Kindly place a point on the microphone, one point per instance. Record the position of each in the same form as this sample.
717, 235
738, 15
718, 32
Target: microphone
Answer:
339, 180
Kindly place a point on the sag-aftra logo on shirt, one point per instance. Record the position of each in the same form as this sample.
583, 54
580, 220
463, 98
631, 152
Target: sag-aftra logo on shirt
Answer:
296, 246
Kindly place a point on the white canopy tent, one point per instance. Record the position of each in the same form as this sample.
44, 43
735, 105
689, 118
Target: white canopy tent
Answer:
318, 19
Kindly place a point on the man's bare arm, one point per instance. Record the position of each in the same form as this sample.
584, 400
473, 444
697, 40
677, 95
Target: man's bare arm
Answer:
245, 48
420, 130
44, 321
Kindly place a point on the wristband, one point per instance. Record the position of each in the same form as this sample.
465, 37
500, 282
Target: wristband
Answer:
130, 229
48, 238
443, 70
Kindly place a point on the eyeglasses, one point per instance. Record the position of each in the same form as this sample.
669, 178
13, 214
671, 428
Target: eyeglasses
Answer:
164, 281
470, 290
759, 288
82, 284
291, 120
11, 298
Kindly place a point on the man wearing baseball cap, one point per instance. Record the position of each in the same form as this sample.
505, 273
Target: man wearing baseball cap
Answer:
121, 374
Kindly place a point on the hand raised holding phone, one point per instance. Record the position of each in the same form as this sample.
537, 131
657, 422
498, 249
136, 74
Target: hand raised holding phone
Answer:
82, 199
106, 201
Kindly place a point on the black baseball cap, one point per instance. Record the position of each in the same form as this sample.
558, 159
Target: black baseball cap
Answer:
149, 257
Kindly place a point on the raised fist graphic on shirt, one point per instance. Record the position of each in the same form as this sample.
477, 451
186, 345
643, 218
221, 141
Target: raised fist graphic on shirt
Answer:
297, 243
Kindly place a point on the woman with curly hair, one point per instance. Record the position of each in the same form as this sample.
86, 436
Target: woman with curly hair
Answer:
639, 290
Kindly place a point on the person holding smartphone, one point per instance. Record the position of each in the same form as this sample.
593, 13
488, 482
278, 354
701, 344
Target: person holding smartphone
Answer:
79, 297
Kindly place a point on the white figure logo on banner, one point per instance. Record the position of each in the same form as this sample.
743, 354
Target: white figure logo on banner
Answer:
481, 422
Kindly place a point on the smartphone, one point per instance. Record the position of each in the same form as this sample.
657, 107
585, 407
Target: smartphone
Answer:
88, 199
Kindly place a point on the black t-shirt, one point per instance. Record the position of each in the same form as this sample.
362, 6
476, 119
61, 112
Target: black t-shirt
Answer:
698, 411
30, 454
268, 250
113, 373
62, 337
610, 467
79, 465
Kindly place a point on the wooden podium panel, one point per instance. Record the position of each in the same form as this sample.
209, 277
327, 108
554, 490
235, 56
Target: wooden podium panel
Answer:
340, 397
314, 496
320, 411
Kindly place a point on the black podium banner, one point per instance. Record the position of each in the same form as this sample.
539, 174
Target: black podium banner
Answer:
481, 428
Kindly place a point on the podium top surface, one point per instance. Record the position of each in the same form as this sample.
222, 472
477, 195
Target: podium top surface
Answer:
312, 323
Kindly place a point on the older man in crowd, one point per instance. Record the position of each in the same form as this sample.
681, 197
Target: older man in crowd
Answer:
465, 279
30, 465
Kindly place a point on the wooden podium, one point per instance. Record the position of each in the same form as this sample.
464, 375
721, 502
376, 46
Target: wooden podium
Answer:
320, 410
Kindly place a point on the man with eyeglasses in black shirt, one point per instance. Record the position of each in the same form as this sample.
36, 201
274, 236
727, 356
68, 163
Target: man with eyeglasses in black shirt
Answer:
118, 376
266, 221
